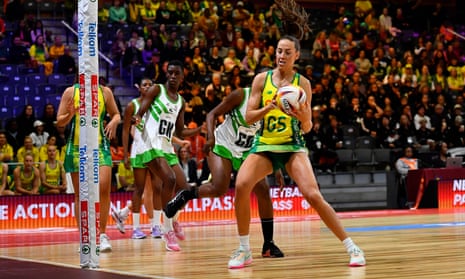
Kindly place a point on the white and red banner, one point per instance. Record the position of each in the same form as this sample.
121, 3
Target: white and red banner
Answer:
88, 136
55, 211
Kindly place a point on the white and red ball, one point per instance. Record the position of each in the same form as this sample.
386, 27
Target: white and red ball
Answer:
289, 98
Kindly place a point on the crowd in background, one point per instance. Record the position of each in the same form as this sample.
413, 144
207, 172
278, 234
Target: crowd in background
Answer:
373, 68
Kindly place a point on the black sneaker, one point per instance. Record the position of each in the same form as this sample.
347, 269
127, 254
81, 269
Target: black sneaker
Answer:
270, 250
178, 202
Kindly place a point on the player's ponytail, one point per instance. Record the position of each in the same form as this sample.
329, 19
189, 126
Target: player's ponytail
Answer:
294, 18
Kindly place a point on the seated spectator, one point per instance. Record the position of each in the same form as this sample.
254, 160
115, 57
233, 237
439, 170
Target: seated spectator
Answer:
406, 132
163, 15
197, 142
52, 173
66, 64
117, 155
19, 53
39, 52
39, 136
148, 51
386, 135
439, 161
6, 150
405, 163
333, 135
250, 63
28, 148
188, 165
216, 86
148, 13
43, 150
37, 30
132, 55
125, 178
457, 133
363, 64
368, 124
5, 181
117, 13
423, 135
231, 61
57, 49
23, 34
26, 177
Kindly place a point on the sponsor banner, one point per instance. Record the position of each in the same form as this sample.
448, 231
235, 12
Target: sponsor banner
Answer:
52, 211
88, 136
451, 193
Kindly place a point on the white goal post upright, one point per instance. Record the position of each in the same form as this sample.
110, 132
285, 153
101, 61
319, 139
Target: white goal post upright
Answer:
88, 133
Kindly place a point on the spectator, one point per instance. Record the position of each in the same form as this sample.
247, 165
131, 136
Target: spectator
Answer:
132, 56
57, 49
49, 118
423, 135
26, 177
133, 11
26, 121
117, 13
362, 63
163, 15
181, 15
66, 64
39, 136
439, 161
196, 146
421, 115
37, 30
117, 155
240, 14
147, 51
403, 165
43, 150
28, 148
39, 52
406, 132
6, 150
231, 61
153, 69
19, 53
457, 133
148, 13
250, 63
216, 86
125, 178
188, 165
215, 62
52, 173
140, 42
5, 181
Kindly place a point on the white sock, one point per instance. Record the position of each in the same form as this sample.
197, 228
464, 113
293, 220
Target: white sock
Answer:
125, 212
349, 244
156, 217
151, 222
136, 220
244, 242
167, 223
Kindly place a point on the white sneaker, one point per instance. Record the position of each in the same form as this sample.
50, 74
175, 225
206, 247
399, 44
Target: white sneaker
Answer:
357, 257
119, 220
105, 245
240, 259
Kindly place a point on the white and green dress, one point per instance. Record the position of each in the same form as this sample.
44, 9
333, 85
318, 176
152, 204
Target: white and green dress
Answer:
156, 131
